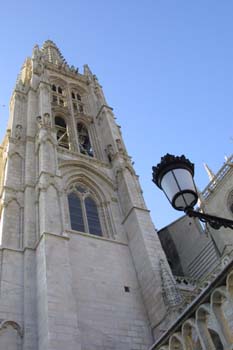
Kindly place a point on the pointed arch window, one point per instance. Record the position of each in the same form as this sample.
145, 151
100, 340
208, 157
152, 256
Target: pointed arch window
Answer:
84, 215
58, 95
62, 135
84, 140
77, 102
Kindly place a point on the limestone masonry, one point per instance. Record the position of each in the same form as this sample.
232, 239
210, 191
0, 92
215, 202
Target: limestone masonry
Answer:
81, 265
80, 259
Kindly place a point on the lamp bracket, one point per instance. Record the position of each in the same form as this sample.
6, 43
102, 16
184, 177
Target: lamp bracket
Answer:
214, 221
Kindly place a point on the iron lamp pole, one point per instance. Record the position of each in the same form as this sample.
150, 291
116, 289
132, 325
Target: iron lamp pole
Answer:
174, 176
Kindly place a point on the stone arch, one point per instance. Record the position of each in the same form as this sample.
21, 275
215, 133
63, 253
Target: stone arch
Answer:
11, 335
191, 338
218, 298
11, 223
59, 92
58, 112
62, 134
72, 168
49, 197
13, 324
84, 139
216, 339
58, 81
15, 161
202, 316
229, 284
78, 87
175, 342
101, 193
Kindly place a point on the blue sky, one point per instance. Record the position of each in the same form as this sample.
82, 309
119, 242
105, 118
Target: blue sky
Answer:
166, 67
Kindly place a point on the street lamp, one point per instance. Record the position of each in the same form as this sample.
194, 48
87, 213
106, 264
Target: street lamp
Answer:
174, 176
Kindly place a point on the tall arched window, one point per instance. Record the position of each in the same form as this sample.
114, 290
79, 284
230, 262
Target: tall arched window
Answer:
84, 140
62, 135
84, 215
77, 102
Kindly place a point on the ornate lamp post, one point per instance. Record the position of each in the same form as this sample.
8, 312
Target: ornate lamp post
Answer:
174, 176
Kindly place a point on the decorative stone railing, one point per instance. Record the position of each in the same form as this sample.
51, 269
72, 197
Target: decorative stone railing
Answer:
185, 281
218, 177
207, 323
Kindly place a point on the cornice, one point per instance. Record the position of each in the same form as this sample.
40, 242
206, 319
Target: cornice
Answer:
130, 211
64, 73
91, 236
81, 157
101, 109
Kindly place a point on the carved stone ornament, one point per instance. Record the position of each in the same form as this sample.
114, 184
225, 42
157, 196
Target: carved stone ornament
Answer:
119, 145
39, 120
46, 119
110, 152
18, 131
170, 291
38, 61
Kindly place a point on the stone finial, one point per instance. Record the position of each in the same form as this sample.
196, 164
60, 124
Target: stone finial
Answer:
210, 173
87, 70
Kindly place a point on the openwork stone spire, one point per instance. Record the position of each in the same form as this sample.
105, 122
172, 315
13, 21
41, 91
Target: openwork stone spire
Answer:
52, 53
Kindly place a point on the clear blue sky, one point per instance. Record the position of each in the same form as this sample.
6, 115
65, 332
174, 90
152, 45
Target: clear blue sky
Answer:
166, 67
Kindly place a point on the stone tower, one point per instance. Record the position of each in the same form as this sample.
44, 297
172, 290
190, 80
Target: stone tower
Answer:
80, 261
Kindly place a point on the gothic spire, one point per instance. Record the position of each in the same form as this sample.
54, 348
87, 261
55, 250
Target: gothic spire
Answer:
210, 173
52, 53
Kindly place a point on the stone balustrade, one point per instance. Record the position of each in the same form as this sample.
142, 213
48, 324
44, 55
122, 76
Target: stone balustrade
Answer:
218, 178
207, 323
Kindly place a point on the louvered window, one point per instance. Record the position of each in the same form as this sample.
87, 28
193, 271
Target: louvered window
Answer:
84, 215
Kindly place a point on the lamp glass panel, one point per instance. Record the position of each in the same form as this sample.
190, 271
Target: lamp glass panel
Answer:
169, 185
185, 200
184, 179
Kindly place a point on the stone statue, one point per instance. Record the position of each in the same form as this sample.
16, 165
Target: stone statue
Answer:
47, 119
110, 152
18, 131
119, 145
38, 61
39, 120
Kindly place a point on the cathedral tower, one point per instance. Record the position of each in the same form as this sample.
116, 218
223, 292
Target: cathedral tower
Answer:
80, 261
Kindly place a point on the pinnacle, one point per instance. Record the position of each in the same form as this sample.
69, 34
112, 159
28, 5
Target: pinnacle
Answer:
210, 173
49, 43
52, 52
